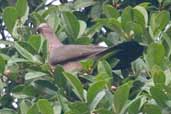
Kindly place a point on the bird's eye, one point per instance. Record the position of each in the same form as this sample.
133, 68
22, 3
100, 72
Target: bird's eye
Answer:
38, 30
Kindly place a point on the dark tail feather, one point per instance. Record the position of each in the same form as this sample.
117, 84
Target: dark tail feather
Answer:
125, 52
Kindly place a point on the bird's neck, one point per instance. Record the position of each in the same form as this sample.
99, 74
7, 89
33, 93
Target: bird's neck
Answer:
53, 41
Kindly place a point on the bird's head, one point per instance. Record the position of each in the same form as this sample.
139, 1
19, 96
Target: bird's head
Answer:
44, 28
47, 32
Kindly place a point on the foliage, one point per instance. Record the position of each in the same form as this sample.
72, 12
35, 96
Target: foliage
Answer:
28, 85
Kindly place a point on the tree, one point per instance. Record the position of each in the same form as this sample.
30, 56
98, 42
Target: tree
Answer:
29, 85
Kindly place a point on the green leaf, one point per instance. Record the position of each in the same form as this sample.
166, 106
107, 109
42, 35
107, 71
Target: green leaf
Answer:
103, 111
44, 106
158, 76
4, 56
59, 77
33, 110
121, 96
10, 17
46, 87
151, 109
92, 30
37, 18
137, 28
18, 92
103, 76
2, 65
44, 50
7, 111
143, 11
27, 46
21, 7
26, 54
24, 106
57, 108
154, 58
2, 85
24, 91
103, 66
35, 42
87, 64
82, 4
83, 40
132, 15
34, 74
110, 11
52, 15
17, 60
70, 24
167, 39
23, 52
96, 10
75, 83
159, 95
83, 27
94, 89
160, 1
159, 21
134, 107
111, 23
99, 96
78, 108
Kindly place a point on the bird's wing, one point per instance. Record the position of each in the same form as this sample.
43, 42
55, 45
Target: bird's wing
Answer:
67, 53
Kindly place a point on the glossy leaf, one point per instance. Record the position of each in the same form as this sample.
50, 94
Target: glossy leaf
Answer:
78, 107
34, 75
103, 66
24, 52
103, 111
24, 106
10, 17
151, 109
111, 23
57, 108
75, 83
83, 27
33, 110
70, 24
44, 106
132, 15
87, 64
7, 111
94, 89
121, 96
143, 11
2, 65
159, 21
35, 42
110, 11
17, 60
134, 107
154, 58
159, 96
46, 87
97, 100
21, 7
82, 4
158, 76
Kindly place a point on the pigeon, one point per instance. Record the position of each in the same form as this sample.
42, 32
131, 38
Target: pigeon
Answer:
69, 55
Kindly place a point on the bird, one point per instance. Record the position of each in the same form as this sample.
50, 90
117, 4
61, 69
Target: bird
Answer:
69, 55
